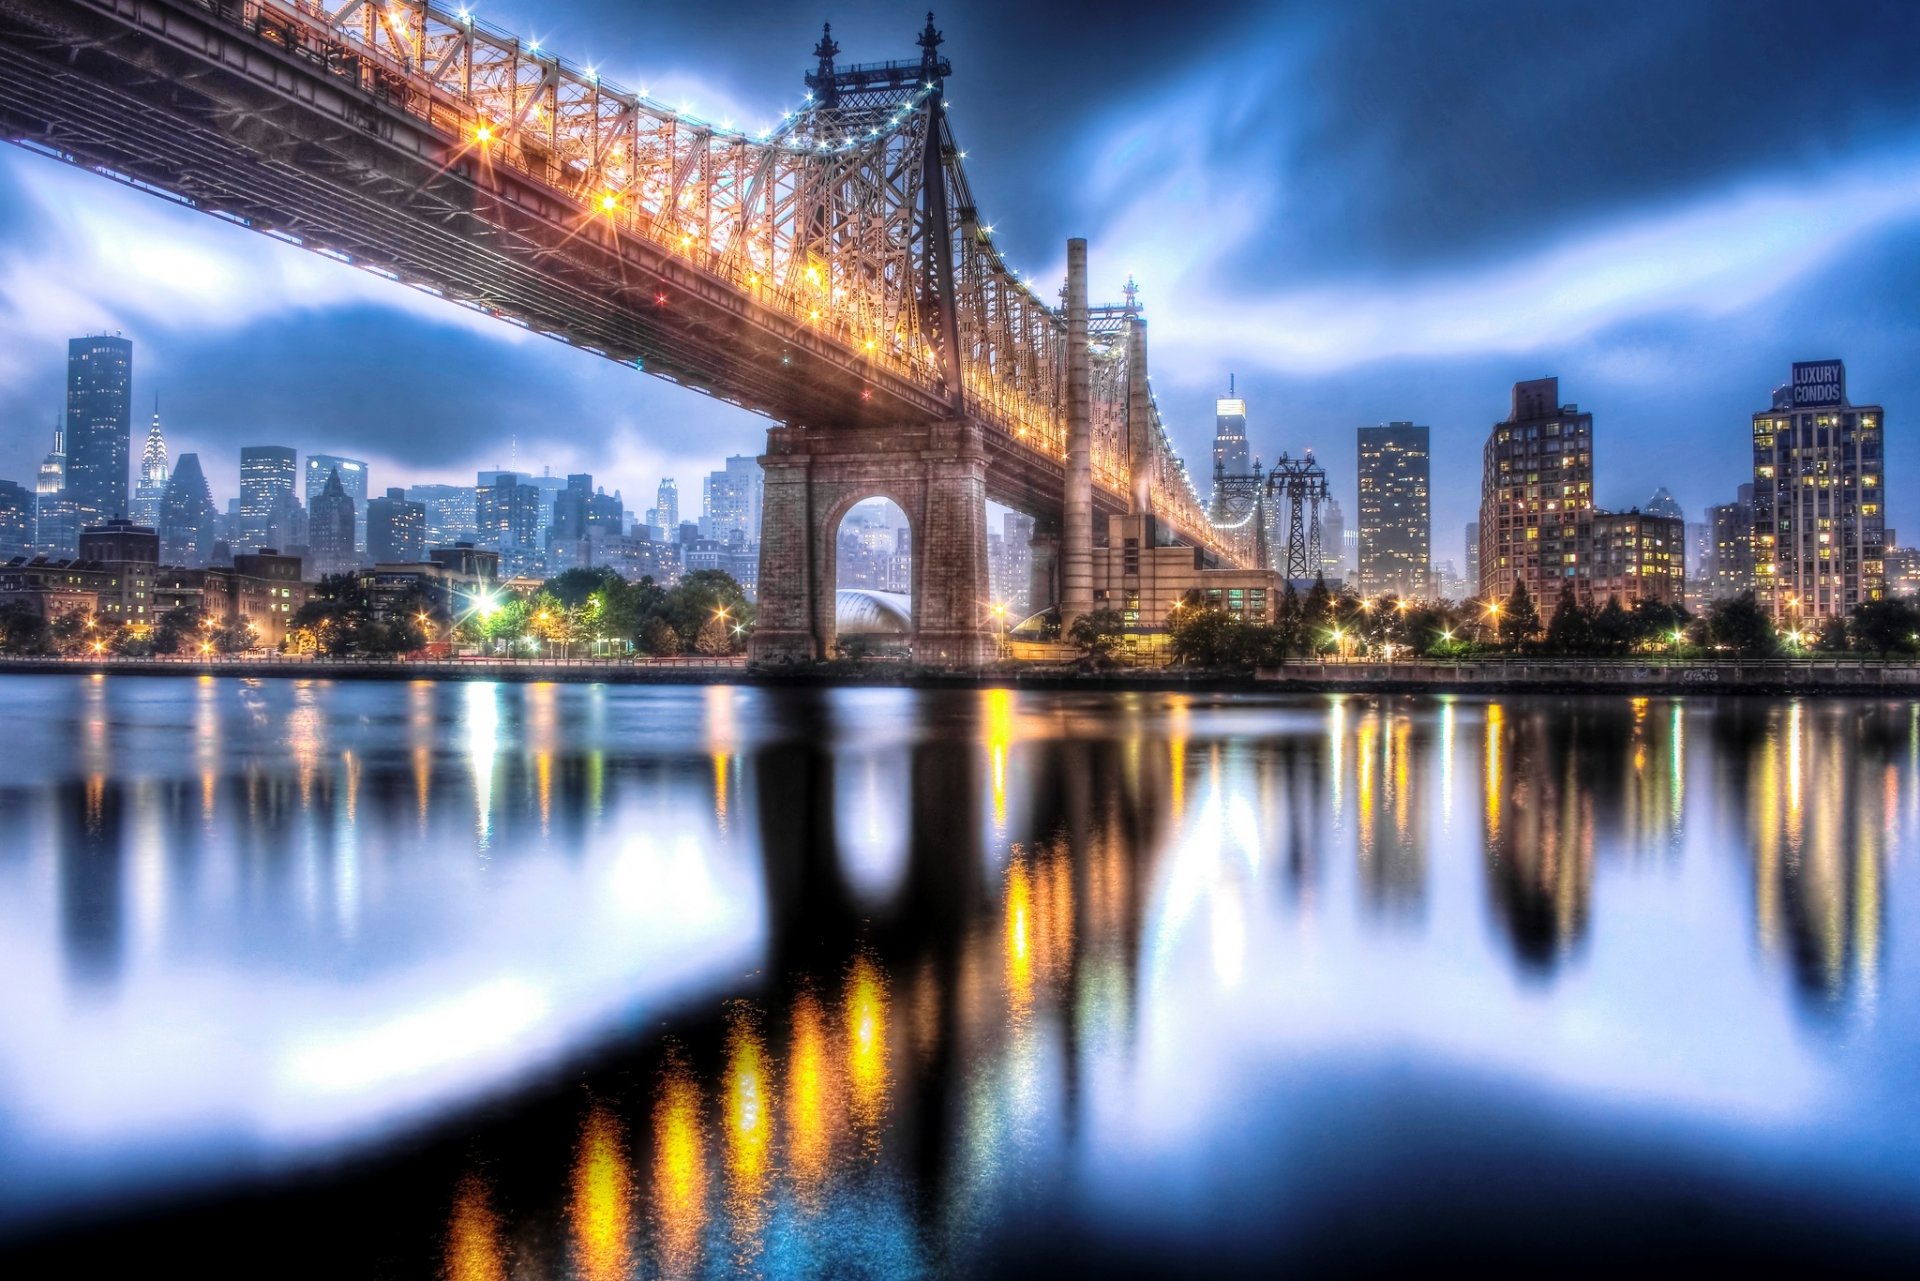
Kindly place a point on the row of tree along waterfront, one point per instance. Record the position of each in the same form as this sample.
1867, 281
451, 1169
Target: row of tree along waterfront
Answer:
577, 613
1322, 623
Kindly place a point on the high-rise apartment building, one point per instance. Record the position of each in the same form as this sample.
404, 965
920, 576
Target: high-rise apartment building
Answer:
1727, 570
267, 477
396, 529
1536, 494
509, 514
452, 512
55, 532
150, 486
732, 499
99, 428
1472, 575
1633, 556
1396, 533
1819, 514
353, 480
330, 521
666, 509
1230, 454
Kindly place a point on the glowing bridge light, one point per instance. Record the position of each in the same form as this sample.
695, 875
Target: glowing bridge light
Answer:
483, 134
609, 201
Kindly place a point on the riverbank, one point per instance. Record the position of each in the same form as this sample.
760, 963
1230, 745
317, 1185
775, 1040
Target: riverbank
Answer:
1584, 676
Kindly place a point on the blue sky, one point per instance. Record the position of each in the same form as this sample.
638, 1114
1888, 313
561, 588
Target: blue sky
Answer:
1366, 211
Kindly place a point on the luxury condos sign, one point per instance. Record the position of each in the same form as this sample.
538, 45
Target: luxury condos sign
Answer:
1819, 382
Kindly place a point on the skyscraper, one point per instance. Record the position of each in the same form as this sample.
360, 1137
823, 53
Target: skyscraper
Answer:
667, 509
353, 480
1395, 531
451, 513
187, 517
330, 521
1728, 565
1230, 457
55, 533
1536, 495
396, 529
508, 512
267, 474
1472, 575
1333, 541
151, 486
732, 499
1819, 516
99, 427
16, 520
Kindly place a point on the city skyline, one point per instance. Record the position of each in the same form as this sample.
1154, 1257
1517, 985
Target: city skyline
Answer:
1606, 295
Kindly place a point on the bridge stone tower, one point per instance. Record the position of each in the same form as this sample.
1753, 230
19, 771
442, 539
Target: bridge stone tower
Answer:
936, 474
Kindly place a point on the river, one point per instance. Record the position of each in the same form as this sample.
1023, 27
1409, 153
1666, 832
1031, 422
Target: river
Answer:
480, 981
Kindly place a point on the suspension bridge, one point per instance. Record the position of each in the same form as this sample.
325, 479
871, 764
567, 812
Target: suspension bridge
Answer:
830, 272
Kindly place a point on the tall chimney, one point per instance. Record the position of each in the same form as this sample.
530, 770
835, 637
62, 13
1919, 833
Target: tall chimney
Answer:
1076, 528
1140, 435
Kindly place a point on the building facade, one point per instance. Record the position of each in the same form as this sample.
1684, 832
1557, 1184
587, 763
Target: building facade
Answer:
1634, 556
268, 474
330, 521
1819, 485
1396, 533
54, 531
1231, 456
353, 480
16, 520
1536, 494
99, 427
452, 512
396, 529
1727, 564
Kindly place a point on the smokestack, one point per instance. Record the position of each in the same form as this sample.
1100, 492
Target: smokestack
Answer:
1076, 529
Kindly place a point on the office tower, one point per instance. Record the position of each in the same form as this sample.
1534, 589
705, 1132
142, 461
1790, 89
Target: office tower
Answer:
267, 475
1230, 456
330, 522
1700, 554
353, 481
99, 428
1472, 575
667, 505
151, 486
54, 531
1536, 495
1333, 540
1819, 519
187, 517
732, 499
1729, 567
1395, 530
16, 520
1014, 589
508, 512
452, 512
396, 529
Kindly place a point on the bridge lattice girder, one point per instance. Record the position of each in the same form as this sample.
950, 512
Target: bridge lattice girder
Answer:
822, 220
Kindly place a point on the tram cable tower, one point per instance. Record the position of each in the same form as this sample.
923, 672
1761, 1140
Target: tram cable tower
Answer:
1295, 487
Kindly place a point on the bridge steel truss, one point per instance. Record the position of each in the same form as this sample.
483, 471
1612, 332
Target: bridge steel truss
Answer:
832, 270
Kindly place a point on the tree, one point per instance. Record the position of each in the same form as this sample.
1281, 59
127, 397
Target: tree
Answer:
1212, 637
658, 638
1833, 635
704, 594
22, 631
715, 638
1886, 625
1739, 624
1098, 633
1570, 630
1612, 629
1519, 619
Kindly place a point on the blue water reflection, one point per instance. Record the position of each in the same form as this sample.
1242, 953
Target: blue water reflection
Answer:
622, 981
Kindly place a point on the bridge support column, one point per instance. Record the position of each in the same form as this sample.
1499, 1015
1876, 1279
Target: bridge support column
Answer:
1043, 573
936, 474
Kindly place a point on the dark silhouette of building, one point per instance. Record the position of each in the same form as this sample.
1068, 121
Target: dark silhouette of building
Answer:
16, 520
187, 516
267, 502
1396, 535
330, 529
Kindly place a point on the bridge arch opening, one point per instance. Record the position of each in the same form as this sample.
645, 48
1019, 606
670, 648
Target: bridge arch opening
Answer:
873, 579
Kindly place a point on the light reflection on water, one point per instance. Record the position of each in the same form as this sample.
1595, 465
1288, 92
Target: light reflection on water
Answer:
950, 978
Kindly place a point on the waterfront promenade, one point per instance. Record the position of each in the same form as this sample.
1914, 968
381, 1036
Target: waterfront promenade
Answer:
1638, 675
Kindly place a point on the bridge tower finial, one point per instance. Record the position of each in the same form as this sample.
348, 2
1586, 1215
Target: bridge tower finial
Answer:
823, 78
930, 42
1132, 291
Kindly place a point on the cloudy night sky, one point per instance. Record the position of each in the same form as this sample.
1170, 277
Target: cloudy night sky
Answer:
1366, 211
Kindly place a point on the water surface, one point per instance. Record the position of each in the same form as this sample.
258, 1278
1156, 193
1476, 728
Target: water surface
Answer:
481, 981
